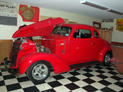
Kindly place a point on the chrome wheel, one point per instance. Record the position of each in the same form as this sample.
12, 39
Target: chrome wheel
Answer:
40, 71
107, 58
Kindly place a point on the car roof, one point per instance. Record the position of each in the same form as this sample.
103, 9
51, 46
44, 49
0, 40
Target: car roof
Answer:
76, 25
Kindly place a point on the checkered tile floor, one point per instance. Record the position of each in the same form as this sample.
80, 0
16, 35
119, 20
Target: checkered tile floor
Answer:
95, 78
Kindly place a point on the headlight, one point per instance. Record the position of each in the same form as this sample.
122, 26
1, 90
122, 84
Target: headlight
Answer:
24, 40
20, 47
25, 47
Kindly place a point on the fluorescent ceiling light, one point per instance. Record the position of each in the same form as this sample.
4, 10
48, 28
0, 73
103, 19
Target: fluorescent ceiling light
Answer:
114, 11
95, 5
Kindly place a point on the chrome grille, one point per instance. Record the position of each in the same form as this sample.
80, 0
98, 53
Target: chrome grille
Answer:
14, 52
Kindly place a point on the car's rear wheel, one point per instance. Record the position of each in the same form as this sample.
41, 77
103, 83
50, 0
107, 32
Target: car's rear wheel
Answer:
38, 71
107, 57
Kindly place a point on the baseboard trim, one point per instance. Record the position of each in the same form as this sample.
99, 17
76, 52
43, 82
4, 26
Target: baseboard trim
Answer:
117, 43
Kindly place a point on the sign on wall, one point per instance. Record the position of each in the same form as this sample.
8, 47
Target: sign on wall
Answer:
119, 24
8, 13
8, 9
108, 20
29, 13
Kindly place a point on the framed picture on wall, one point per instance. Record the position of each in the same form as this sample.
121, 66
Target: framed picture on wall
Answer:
97, 25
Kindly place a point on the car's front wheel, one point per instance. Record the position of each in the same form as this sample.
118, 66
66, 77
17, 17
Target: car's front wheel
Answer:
107, 57
38, 71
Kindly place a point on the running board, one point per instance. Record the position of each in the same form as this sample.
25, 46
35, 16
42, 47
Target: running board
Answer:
83, 64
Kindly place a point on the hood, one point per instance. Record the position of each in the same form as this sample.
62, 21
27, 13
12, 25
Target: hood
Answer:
41, 28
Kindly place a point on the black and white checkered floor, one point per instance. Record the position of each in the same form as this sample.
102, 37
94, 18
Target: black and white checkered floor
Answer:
95, 78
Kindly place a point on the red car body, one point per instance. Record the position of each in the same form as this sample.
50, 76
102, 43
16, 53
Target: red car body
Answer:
65, 52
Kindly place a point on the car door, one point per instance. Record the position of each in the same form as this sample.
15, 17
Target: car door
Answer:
98, 44
81, 47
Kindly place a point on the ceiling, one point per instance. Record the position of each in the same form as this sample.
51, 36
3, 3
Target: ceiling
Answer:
74, 6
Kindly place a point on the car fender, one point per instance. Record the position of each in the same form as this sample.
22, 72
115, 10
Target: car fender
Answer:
103, 52
59, 65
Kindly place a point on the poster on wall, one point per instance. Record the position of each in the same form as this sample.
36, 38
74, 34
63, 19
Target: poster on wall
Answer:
97, 25
119, 24
29, 13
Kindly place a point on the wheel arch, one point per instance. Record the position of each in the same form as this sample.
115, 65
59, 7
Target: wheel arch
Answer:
58, 64
41, 61
103, 52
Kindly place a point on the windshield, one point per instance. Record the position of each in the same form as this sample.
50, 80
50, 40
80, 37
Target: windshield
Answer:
62, 30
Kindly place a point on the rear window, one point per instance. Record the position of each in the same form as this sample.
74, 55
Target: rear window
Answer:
96, 34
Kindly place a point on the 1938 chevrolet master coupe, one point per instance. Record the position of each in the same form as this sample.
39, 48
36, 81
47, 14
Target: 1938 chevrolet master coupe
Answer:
63, 47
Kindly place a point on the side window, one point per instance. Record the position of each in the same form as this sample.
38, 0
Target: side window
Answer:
76, 34
96, 34
82, 33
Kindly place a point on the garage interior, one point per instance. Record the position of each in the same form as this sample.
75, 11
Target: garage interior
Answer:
105, 16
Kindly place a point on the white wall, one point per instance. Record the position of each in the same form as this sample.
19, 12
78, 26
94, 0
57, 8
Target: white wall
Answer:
117, 36
6, 31
71, 16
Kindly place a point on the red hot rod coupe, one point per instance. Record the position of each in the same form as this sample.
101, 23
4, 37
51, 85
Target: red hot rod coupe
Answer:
63, 47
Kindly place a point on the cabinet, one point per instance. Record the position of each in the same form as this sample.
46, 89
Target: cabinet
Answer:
5, 48
106, 35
